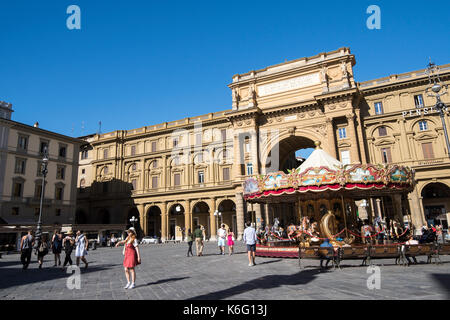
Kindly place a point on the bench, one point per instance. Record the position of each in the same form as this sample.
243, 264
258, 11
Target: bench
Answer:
319, 253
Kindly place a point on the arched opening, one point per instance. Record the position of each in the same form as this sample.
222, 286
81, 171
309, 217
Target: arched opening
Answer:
134, 212
80, 217
176, 222
103, 216
227, 208
154, 222
436, 203
200, 216
291, 152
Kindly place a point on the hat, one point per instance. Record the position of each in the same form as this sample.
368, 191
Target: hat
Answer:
132, 230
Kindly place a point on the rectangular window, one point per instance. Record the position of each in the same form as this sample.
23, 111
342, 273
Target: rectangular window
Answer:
153, 146
247, 147
423, 125
60, 172
133, 150
133, 184
428, 150
342, 133
22, 144
249, 169
418, 101
175, 142
84, 154
379, 108
224, 154
176, 179
386, 155
43, 146
105, 153
226, 174
382, 131
15, 211
201, 177
345, 157
154, 182
62, 151
224, 134
17, 190
20, 166
83, 171
59, 193
37, 190
198, 139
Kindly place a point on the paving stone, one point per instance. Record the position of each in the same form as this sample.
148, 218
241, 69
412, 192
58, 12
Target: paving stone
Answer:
166, 273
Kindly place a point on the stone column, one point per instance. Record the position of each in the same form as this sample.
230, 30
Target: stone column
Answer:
240, 215
416, 208
238, 157
405, 139
258, 215
164, 221
142, 218
397, 201
354, 150
362, 147
212, 219
266, 213
331, 138
254, 151
187, 217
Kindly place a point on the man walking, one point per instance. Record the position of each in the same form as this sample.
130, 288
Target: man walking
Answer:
68, 244
221, 235
198, 235
26, 248
250, 240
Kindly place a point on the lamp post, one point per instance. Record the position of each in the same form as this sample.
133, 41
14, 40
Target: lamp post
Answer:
44, 172
133, 220
217, 214
436, 87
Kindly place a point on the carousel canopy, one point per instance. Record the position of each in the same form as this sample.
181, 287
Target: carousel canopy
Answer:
322, 175
319, 158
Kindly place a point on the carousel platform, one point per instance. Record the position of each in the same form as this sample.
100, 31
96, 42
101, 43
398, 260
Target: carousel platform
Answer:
277, 249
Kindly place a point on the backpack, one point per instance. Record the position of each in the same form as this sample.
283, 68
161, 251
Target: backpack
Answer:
43, 247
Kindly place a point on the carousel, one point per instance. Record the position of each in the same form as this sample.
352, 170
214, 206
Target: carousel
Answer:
323, 192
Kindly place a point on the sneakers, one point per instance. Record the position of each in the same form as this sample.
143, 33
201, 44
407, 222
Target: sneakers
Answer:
132, 286
250, 264
127, 286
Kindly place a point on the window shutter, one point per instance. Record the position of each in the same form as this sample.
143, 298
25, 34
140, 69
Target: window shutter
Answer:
427, 150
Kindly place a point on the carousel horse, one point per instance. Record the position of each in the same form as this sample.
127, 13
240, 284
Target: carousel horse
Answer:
329, 228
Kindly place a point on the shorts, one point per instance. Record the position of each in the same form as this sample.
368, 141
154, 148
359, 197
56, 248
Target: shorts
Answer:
251, 247
221, 242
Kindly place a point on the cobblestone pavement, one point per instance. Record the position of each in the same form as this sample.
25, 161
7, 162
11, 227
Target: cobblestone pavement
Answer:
166, 273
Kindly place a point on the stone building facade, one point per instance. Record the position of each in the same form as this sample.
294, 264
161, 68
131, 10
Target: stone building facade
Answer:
21, 154
175, 175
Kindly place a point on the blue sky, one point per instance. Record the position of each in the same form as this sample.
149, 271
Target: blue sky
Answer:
136, 63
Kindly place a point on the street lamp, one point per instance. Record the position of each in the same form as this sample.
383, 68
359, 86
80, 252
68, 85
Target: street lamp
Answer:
436, 86
44, 172
133, 220
217, 214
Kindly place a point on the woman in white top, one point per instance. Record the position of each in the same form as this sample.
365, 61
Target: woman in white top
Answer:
81, 248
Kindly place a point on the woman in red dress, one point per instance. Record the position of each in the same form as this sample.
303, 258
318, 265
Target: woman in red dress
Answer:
132, 257
230, 242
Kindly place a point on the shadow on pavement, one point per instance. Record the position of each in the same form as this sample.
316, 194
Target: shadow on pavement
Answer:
163, 281
443, 280
17, 277
266, 282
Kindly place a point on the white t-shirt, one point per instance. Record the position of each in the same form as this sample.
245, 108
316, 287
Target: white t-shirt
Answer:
222, 233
